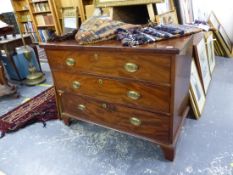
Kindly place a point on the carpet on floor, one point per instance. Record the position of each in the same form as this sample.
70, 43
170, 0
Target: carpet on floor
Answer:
40, 108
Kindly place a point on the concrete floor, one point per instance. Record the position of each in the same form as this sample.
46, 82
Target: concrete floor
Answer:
205, 146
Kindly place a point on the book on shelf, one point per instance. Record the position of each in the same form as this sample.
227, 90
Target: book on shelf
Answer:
43, 20
40, 20
41, 7
34, 37
25, 18
28, 27
37, 0
45, 34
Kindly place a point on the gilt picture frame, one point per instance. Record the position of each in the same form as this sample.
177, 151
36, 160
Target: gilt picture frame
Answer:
112, 3
193, 105
196, 91
210, 50
167, 18
202, 63
214, 22
186, 11
70, 19
164, 7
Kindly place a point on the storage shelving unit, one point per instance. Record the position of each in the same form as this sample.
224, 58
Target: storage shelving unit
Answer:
44, 17
24, 19
37, 17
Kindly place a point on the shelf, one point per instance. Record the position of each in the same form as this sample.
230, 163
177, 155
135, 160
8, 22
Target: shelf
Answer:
28, 32
22, 10
45, 26
25, 21
37, 13
39, 1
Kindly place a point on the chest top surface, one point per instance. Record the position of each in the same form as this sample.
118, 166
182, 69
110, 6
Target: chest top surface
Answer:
170, 46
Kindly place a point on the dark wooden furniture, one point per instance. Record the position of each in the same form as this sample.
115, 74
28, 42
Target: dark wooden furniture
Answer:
142, 91
6, 89
9, 44
5, 29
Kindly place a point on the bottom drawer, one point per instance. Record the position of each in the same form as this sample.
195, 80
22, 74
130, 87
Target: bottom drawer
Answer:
149, 125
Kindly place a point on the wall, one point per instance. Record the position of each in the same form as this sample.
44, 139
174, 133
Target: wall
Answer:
223, 10
5, 6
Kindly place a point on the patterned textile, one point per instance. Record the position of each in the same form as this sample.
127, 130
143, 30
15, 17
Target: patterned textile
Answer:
153, 33
134, 37
99, 28
41, 108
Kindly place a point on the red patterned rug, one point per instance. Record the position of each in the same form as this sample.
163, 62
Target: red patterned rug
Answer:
40, 108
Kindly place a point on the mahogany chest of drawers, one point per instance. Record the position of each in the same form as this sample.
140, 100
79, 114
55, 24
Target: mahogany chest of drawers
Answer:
142, 91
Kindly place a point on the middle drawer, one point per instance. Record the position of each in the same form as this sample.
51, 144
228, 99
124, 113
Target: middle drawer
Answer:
153, 98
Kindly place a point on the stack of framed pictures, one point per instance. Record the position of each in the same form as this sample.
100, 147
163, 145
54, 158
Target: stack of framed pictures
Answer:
201, 70
223, 46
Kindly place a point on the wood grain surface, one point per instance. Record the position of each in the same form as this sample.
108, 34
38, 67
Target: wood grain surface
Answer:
150, 68
153, 98
152, 125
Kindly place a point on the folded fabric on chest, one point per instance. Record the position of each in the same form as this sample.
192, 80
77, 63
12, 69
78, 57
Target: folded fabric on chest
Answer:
98, 28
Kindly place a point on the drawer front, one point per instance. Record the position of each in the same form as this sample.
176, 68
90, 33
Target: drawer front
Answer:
136, 122
153, 98
149, 67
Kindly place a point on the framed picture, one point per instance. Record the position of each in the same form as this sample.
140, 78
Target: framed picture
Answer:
202, 62
186, 11
164, 7
196, 91
225, 38
210, 50
167, 18
193, 105
70, 19
112, 3
214, 22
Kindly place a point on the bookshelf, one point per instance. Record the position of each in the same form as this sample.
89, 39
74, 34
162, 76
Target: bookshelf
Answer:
78, 5
44, 17
24, 20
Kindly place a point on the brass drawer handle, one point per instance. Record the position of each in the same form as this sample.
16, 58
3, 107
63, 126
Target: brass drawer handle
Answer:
104, 105
96, 56
131, 67
81, 107
100, 81
70, 62
60, 92
135, 121
76, 85
133, 95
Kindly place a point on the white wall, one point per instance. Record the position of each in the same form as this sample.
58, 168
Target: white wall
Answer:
222, 8
5, 6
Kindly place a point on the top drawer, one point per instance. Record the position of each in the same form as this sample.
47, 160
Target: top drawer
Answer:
149, 67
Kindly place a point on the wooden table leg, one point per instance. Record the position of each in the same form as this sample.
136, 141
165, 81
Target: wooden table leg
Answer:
169, 152
2, 75
5, 88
